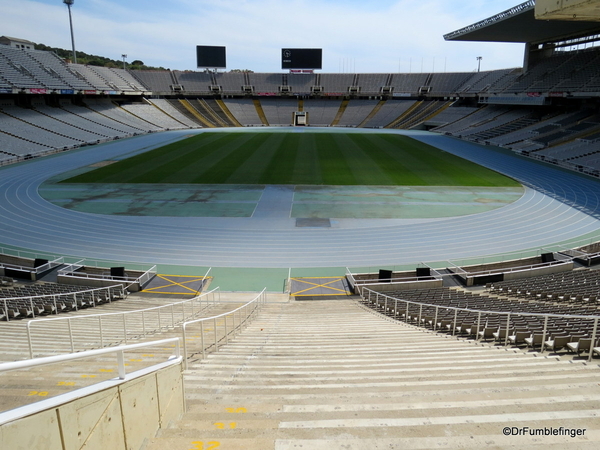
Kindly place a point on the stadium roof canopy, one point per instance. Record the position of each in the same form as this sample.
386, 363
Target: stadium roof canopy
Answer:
519, 24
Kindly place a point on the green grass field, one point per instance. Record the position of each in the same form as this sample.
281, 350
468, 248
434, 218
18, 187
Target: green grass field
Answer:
306, 158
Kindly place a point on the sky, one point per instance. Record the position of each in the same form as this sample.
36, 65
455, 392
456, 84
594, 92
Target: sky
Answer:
386, 36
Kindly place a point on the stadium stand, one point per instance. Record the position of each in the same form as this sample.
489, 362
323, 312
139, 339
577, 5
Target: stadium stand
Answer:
106, 108
548, 110
372, 83
279, 112
231, 83
389, 112
35, 127
153, 115
475, 316
168, 108
264, 83
195, 82
448, 83
336, 83
160, 81
95, 80
356, 112
244, 111
321, 112
92, 120
300, 83
37, 69
32, 300
578, 287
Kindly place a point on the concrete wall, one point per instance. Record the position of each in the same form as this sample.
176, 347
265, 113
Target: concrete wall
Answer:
117, 418
388, 287
96, 282
547, 270
525, 273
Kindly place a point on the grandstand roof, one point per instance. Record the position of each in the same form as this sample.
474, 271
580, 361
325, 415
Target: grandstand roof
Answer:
7, 40
519, 24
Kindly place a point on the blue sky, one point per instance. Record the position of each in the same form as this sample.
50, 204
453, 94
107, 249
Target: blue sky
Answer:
355, 35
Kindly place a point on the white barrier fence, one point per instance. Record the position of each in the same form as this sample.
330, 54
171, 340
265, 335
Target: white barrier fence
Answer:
105, 329
244, 314
39, 425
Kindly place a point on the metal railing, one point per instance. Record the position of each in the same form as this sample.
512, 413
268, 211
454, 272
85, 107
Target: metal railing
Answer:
244, 314
354, 281
508, 269
120, 362
71, 271
37, 270
121, 326
479, 325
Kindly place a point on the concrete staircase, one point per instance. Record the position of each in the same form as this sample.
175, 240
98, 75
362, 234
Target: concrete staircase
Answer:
335, 375
23, 387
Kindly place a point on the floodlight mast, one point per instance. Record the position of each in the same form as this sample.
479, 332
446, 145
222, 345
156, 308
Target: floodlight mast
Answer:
69, 3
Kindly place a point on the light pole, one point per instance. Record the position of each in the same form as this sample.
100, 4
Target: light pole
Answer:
479, 58
124, 56
69, 3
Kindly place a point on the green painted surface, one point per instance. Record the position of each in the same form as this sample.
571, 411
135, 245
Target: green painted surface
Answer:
399, 202
155, 200
352, 202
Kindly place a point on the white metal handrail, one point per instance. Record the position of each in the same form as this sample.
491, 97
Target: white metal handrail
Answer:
121, 367
121, 318
37, 270
71, 271
36, 362
256, 304
508, 314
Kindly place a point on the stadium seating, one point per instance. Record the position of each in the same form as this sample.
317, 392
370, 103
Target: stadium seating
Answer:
321, 112
230, 83
194, 82
38, 70
562, 135
153, 115
356, 112
244, 111
390, 111
333, 83
31, 300
579, 287
431, 308
266, 83
279, 112
168, 108
159, 80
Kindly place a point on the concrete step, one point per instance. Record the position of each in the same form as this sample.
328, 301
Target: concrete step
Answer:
330, 375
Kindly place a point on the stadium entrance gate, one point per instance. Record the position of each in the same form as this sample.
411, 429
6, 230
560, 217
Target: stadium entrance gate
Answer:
300, 119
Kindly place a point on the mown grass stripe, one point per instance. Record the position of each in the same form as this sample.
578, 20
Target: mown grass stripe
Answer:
306, 158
